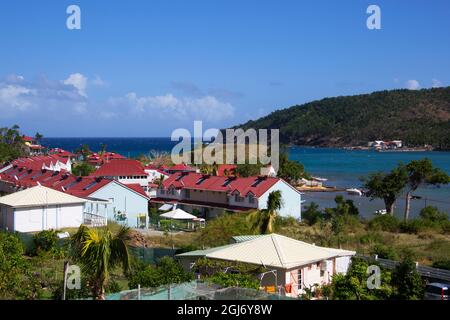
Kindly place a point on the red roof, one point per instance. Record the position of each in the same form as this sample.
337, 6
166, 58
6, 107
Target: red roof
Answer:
36, 162
181, 167
63, 181
62, 153
229, 168
28, 138
136, 187
257, 185
122, 167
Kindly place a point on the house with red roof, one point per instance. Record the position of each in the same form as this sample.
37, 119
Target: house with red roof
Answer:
209, 195
98, 159
154, 173
33, 146
181, 167
49, 162
128, 171
225, 170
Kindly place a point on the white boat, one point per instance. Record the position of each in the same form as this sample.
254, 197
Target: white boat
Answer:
354, 191
319, 179
380, 212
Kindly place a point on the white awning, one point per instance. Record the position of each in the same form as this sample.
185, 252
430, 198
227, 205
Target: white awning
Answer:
178, 214
166, 207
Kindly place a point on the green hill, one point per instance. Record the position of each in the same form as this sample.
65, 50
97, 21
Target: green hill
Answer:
416, 117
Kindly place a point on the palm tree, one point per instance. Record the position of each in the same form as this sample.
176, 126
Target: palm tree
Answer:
264, 220
99, 251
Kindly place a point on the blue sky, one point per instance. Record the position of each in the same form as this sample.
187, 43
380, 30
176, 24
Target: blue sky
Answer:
144, 68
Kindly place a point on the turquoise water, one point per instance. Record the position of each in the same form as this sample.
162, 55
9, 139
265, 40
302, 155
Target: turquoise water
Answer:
342, 168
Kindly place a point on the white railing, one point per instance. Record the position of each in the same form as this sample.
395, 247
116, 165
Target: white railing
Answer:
94, 220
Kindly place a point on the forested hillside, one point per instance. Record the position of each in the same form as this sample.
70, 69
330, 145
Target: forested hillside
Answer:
417, 117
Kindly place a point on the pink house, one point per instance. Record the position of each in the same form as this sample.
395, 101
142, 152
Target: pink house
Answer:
292, 266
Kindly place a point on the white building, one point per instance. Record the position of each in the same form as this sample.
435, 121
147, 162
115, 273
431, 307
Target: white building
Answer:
211, 195
293, 265
40, 208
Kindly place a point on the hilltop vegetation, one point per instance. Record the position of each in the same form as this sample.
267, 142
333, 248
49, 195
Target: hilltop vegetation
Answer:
416, 117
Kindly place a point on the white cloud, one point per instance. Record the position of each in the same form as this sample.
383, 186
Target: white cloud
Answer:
13, 97
435, 83
412, 85
98, 81
184, 108
79, 81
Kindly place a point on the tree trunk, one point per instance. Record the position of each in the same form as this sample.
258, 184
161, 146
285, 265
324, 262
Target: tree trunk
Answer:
389, 207
408, 204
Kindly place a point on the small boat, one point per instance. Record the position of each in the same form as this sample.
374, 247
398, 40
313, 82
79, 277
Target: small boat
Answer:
354, 191
319, 179
380, 212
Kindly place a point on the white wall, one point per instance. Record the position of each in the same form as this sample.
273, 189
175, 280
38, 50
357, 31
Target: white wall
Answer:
124, 200
53, 217
292, 199
6, 218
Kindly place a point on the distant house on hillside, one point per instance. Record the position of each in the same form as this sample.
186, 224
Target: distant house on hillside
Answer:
33, 146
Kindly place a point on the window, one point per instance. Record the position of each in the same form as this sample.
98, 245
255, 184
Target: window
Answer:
163, 191
237, 198
322, 273
299, 278
187, 193
251, 198
90, 185
199, 181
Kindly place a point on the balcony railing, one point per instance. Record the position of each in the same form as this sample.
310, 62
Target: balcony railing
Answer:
94, 220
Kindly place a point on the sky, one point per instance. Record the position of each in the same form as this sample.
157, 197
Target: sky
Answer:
144, 68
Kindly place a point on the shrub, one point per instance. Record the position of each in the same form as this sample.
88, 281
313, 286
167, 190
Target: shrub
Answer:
371, 237
433, 214
16, 279
407, 281
220, 230
411, 226
234, 280
442, 264
112, 286
384, 252
384, 223
45, 240
166, 271
311, 214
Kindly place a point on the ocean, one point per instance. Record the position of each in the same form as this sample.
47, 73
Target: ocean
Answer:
342, 168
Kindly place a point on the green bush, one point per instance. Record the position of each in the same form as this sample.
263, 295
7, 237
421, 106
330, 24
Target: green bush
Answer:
311, 214
442, 264
16, 279
412, 226
166, 271
384, 252
220, 230
384, 223
431, 213
112, 286
45, 240
371, 237
226, 280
